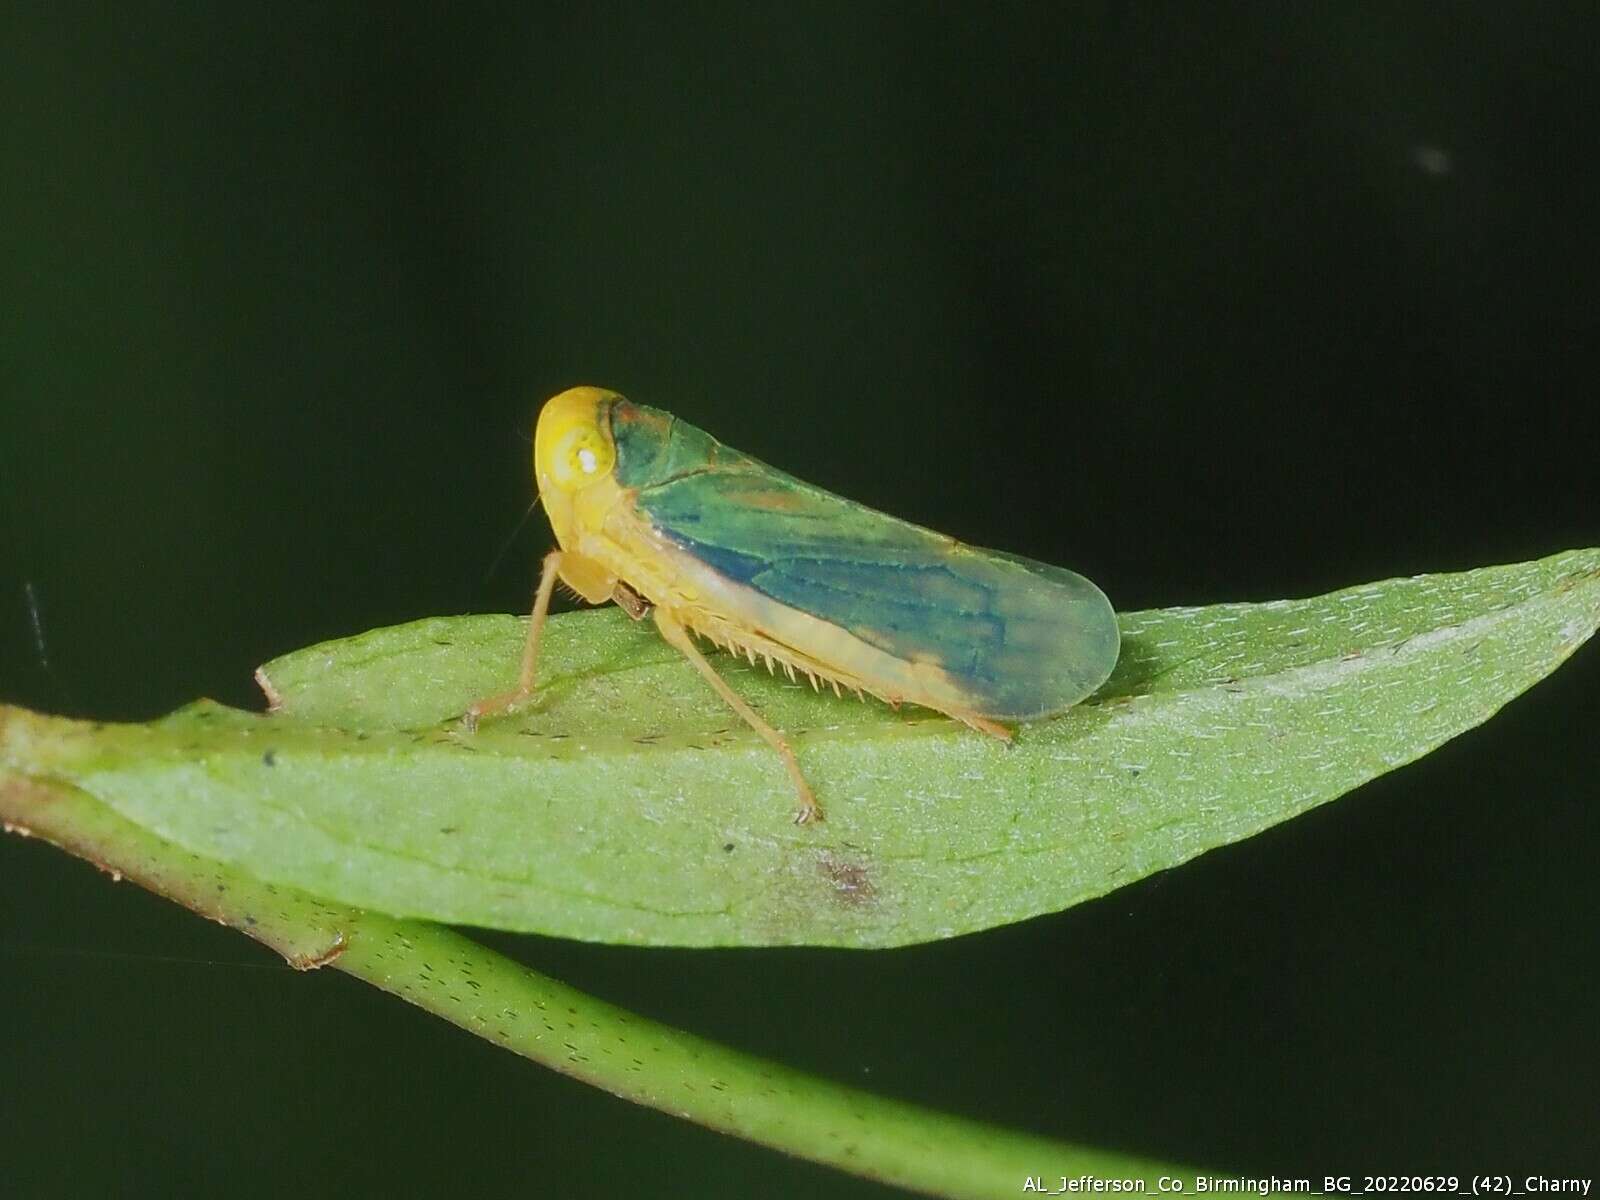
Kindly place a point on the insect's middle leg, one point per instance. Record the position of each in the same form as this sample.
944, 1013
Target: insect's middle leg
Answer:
678, 637
490, 705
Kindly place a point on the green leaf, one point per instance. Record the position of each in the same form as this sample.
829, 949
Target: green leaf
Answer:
630, 806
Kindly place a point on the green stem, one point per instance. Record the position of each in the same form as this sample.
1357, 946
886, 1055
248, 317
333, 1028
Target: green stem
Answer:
546, 1021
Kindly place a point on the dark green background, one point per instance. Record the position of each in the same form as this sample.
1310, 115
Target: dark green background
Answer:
1209, 303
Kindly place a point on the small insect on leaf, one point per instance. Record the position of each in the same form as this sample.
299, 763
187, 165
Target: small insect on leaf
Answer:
711, 543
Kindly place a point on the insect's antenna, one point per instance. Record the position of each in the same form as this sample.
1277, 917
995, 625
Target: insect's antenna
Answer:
511, 538
40, 645
22, 950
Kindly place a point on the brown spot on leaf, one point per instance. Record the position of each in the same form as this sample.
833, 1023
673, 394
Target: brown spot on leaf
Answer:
851, 881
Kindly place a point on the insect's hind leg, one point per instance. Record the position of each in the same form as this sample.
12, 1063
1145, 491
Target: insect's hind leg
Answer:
678, 637
984, 725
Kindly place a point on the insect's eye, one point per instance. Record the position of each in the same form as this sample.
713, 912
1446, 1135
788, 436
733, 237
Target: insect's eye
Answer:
581, 456
572, 445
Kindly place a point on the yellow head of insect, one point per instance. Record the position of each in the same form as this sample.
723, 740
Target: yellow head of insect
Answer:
572, 451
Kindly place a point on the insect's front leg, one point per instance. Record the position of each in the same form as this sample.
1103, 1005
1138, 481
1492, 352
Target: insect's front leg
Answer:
491, 705
678, 637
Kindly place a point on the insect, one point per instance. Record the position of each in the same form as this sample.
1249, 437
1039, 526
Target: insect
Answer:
662, 518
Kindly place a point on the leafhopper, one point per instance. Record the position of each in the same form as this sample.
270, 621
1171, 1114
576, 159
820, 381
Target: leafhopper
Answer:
657, 515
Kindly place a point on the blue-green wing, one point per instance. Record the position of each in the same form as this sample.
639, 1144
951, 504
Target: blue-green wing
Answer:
1022, 638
